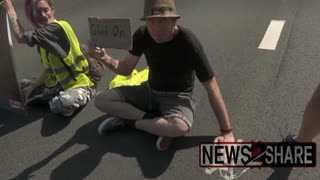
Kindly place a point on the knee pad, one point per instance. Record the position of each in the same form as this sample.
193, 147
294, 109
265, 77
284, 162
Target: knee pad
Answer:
60, 106
78, 97
68, 101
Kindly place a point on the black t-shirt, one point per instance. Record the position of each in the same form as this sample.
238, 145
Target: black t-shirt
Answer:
51, 37
173, 65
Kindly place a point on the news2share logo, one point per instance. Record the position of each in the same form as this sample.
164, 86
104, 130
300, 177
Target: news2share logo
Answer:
257, 154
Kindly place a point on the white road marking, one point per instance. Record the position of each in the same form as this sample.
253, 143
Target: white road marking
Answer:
272, 35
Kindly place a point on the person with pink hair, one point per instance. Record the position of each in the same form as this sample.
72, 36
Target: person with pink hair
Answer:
30, 11
64, 82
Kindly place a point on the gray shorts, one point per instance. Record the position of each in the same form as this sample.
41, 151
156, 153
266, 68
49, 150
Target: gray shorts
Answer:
171, 104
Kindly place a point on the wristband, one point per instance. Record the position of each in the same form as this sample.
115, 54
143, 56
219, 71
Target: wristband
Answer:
226, 131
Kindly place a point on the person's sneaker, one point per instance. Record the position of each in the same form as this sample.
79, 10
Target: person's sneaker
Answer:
290, 139
111, 124
164, 142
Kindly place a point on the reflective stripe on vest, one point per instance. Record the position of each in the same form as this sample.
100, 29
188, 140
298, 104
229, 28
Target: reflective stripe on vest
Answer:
73, 66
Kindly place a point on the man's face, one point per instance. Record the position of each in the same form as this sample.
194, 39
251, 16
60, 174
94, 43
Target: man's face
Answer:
43, 13
161, 29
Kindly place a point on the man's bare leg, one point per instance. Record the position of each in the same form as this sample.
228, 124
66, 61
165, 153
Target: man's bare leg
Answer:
110, 102
310, 127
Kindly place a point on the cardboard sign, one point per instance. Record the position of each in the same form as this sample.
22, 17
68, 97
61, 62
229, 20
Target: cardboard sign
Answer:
110, 32
10, 96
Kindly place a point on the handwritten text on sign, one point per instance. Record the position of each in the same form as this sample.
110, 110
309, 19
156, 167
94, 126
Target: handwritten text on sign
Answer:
110, 32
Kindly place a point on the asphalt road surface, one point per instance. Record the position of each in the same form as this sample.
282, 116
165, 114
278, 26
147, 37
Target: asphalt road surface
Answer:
266, 92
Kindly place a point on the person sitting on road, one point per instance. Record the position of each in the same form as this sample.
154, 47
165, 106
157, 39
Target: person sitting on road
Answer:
310, 127
164, 105
63, 83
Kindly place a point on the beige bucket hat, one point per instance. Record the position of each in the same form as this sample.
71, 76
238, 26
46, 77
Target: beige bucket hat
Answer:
160, 8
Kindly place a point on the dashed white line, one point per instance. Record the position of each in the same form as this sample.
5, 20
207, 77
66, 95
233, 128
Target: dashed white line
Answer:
272, 35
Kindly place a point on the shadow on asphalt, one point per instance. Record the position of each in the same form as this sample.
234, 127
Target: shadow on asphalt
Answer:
11, 121
152, 162
51, 123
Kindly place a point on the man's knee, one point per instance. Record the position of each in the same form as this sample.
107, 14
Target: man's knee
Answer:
104, 98
180, 127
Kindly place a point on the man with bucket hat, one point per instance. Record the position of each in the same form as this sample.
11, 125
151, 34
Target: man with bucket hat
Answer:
164, 105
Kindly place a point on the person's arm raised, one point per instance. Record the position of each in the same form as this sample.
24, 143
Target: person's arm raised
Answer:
13, 18
122, 66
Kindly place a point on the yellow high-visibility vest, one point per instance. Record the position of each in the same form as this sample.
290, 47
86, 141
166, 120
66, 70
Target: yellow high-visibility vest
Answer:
57, 71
